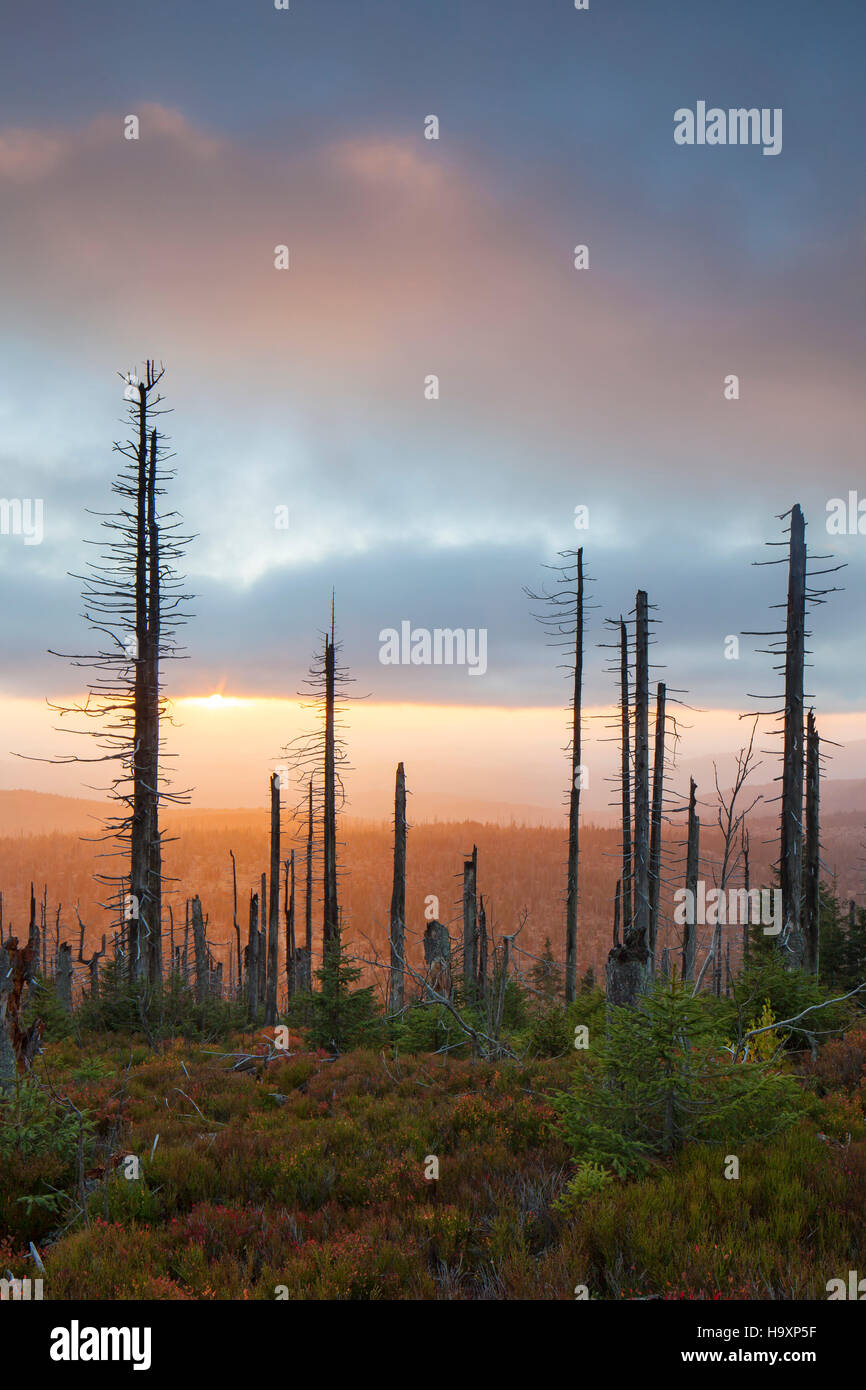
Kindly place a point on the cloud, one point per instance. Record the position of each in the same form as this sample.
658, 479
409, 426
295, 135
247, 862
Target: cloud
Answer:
305, 389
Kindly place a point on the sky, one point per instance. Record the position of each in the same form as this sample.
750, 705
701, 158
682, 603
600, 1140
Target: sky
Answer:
304, 389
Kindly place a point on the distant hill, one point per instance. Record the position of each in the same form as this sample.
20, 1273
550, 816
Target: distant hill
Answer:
41, 813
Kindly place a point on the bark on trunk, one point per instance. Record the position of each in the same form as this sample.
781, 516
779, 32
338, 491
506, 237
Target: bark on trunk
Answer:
291, 982
625, 777
331, 923
656, 826
18, 1045
437, 956
628, 965
692, 863
791, 857
308, 919
812, 904
482, 953
398, 893
252, 962
200, 948
574, 799
273, 906
470, 923
641, 771
64, 977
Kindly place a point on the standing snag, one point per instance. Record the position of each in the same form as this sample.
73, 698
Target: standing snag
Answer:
563, 619
133, 603
398, 893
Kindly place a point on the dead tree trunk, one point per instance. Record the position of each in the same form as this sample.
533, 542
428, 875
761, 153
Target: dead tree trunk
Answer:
64, 977
33, 937
791, 856
236, 923
470, 923
273, 906
627, 967
641, 770
200, 947
574, 799
308, 920
656, 825
481, 982
291, 982
398, 893
331, 923
143, 916
252, 961
93, 963
18, 1045
503, 981
437, 957
625, 778
744, 841
692, 869
812, 906
262, 948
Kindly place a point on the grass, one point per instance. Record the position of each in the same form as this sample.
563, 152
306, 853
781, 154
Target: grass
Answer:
309, 1183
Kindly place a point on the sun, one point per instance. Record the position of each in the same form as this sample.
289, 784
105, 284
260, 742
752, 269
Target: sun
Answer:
219, 702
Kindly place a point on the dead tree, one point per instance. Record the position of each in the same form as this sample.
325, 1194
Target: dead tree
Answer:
563, 618
481, 979
625, 779
273, 906
790, 645
235, 921
437, 957
93, 962
33, 936
398, 893
133, 604
731, 821
262, 947
747, 884
628, 963
331, 920
252, 961
656, 820
470, 923
289, 909
201, 952
319, 759
692, 870
18, 1044
308, 906
64, 977
812, 902
507, 942
641, 770
791, 861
